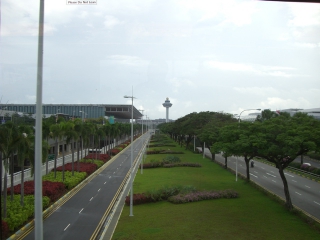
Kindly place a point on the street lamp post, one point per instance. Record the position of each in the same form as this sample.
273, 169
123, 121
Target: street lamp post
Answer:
239, 127
141, 164
131, 170
83, 112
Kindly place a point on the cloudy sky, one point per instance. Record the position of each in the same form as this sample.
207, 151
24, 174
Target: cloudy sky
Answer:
204, 55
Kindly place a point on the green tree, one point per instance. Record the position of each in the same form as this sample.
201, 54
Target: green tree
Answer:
280, 140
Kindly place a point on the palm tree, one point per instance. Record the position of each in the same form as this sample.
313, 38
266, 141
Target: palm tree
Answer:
100, 134
8, 142
71, 135
46, 133
23, 150
78, 129
56, 133
106, 128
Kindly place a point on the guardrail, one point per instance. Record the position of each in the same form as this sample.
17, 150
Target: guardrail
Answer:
304, 172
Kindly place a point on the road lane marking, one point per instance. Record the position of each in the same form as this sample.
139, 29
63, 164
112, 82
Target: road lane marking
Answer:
105, 182
255, 171
262, 167
264, 176
110, 177
90, 199
273, 181
253, 175
272, 171
298, 193
66, 227
289, 175
307, 186
271, 175
81, 210
99, 189
316, 202
294, 181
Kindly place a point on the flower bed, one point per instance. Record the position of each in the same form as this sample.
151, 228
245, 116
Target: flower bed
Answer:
87, 167
17, 215
4, 230
202, 195
69, 181
52, 190
98, 156
169, 165
114, 151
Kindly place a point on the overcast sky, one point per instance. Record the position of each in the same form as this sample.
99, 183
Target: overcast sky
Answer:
204, 55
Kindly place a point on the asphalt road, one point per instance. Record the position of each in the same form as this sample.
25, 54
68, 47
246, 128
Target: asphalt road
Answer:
305, 193
80, 215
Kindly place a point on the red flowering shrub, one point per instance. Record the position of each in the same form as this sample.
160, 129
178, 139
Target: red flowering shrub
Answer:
98, 156
4, 230
152, 165
87, 167
114, 151
138, 198
53, 190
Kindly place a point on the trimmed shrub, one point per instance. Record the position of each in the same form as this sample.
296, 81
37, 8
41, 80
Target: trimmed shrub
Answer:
99, 163
87, 167
171, 159
114, 151
169, 165
17, 215
202, 195
152, 165
138, 198
70, 181
52, 190
99, 156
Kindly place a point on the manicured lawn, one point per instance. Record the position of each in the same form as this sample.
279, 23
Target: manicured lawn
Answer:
251, 216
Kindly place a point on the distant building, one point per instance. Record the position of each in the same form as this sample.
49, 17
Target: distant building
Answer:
121, 113
314, 112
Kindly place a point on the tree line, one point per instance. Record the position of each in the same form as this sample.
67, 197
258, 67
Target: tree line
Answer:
277, 138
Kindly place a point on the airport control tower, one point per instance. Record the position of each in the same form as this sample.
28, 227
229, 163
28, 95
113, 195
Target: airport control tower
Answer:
167, 104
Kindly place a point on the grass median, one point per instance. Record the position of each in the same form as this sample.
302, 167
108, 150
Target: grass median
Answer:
254, 215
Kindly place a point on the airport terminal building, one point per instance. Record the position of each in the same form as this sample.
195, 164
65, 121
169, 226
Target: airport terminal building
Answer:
121, 113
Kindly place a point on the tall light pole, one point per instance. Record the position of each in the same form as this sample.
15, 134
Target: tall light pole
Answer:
131, 170
141, 164
38, 216
82, 114
239, 127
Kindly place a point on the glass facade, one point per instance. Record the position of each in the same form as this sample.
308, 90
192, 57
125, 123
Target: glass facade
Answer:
90, 111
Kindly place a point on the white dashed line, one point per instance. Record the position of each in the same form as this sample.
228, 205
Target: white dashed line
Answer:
253, 175
273, 181
271, 175
294, 181
99, 189
298, 193
66, 227
90, 199
81, 210
289, 175
255, 171
105, 182
262, 167
316, 202
307, 186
